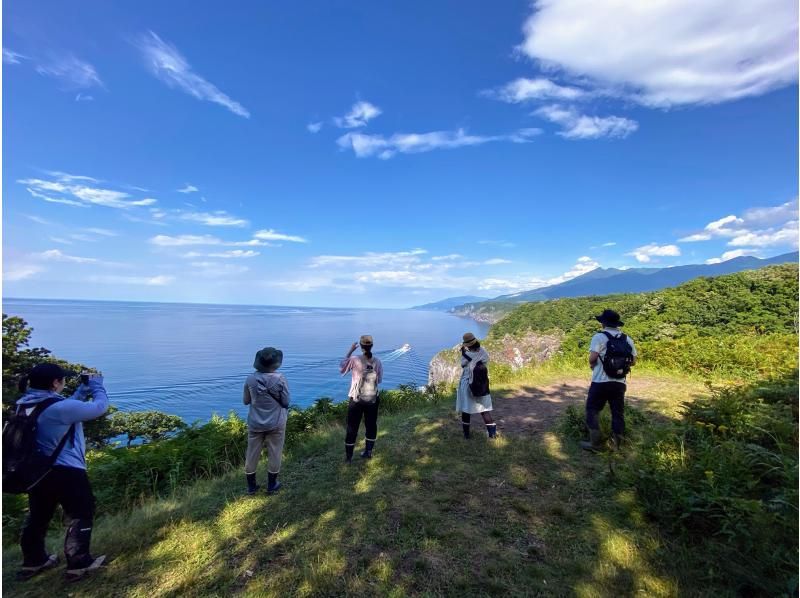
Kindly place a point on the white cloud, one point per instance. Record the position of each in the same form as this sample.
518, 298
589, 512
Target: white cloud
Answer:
360, 114
150, 281
370, 259
314, 127
668, 53
82, 97
272, 235
609, 244
13, 272
56, 255
410, 143
71, 71
232, 254
10, 57
645, 253
582, 126
496, 243
74, 191
525, 90
756, 227
729, 255
218, 218
214, 269
495, 261
787, 235
166, 63
47, 198
183, 240
448, 257
103, 232
188, 189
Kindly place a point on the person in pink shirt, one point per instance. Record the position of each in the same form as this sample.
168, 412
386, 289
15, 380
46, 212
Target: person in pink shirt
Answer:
367, 373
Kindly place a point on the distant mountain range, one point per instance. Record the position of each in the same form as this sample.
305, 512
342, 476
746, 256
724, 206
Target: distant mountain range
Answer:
448, 304
606, 281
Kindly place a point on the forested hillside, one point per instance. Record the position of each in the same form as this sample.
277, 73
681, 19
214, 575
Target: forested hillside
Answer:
742, 324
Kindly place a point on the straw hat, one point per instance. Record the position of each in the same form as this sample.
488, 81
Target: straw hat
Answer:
365, 340
469, 340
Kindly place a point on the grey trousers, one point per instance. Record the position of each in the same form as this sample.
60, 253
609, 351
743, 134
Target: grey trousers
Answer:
255, 444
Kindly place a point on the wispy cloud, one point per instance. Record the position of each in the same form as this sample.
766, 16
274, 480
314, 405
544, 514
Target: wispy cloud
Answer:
56, 255
184, 240
215, 269
360, 114
582, 126
365, 146
188, 189
17, 271
73, 72
232, 254
73, 191
82, 97
272, 235
526, 90
167, 64
646, 253
149, 281
315, 127
390, 259
217, 218
497, 243
10, 57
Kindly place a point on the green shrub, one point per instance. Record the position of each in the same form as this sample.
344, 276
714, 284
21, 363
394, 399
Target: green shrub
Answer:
573, 423
726, 478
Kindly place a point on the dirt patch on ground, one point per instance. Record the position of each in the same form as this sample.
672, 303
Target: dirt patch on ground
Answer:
532, 410
535, 409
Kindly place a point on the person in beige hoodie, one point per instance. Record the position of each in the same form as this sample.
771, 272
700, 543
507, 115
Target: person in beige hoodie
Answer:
267, 393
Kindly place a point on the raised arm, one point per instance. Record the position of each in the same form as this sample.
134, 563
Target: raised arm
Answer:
72, 411
347, 364
379, 370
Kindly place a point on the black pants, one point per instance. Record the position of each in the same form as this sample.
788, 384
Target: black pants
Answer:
355, 410
601, 393
68, 487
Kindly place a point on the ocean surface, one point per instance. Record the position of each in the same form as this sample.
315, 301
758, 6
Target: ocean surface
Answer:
191, 360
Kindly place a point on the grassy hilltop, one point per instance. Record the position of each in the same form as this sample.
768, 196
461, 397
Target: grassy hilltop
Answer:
702, 502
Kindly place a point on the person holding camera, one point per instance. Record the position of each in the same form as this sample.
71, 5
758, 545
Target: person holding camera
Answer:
367, 373
474, 361
267, 393
60, 429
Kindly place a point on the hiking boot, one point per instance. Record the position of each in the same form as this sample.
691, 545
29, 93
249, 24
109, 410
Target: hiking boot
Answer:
28, 572
491, 430
80, 572
367, 453
595, 442
273, 485
348, 453
252, 487
619, 441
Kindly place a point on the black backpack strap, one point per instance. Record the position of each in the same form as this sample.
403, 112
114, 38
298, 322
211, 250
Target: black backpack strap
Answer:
60, 447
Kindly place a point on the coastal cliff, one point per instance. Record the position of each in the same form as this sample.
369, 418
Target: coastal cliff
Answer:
510, 351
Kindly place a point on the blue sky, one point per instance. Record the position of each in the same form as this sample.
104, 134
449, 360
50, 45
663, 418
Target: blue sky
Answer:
357, 154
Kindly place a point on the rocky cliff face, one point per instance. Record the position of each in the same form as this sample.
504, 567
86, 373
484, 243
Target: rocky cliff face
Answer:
488, 312
515, 352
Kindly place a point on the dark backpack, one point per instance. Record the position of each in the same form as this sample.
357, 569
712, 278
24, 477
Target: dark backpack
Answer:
24, 464
619, 356
479, 387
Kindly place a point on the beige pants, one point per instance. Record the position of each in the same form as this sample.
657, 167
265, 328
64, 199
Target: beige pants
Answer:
255, 444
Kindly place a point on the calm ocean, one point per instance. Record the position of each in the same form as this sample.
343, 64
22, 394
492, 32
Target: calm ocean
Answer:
191, 360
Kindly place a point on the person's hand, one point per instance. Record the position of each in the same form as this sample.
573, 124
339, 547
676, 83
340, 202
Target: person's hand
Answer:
95, 381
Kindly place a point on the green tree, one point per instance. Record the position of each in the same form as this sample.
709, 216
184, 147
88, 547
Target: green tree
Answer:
147, 425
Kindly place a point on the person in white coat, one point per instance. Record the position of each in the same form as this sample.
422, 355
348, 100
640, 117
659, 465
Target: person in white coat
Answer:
466, 403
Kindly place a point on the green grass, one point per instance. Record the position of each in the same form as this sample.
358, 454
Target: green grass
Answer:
431, 514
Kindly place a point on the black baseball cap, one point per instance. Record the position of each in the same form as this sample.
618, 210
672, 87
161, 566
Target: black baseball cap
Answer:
41, 376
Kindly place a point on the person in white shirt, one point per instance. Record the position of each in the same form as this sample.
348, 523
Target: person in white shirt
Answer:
605, 388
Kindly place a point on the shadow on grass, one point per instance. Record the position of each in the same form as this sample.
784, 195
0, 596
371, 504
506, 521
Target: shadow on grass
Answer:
430, 514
